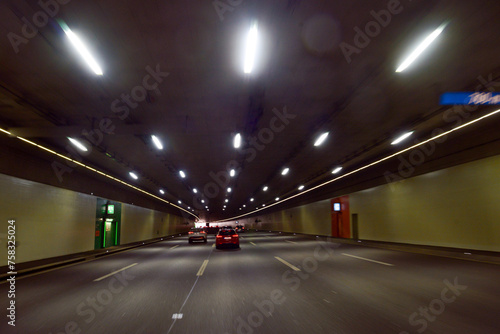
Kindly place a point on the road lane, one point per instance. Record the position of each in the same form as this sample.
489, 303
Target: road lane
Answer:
247, 290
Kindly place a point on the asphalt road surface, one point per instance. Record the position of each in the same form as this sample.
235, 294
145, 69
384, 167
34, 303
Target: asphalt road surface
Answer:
274, 283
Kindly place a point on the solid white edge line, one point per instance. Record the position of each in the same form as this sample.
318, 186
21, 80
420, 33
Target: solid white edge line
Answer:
287, 264
174, 247
202, 268
114, 272
292, 242
362, 258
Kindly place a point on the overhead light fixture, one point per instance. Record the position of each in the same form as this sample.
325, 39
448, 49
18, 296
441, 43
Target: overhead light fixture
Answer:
195, 190
206, 206
81, 48
263, 205
162, 192
251, 199
237, 141
157, 142
79, 145
202, 201
301, 187
421, 47
189, 208
265, 188
277, 199
182, 174
402, 137
180, 202
336, 170
133, 175
232, 173
244, 205
321, 139
226, 200
250, 49
285, 171
229, 189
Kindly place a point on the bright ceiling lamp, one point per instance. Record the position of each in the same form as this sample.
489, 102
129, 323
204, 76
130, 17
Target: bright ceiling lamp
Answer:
321, 139
301, 187
402, 137
229, 189
285, 171
232, 173
421, 47
182, 174
250, 49
179, 201
226, 200
81, 48
251, 199
79, 145
265, 188
133, 175
157, 142
237, 141
195, 190
277, 199
336, 170
162, 191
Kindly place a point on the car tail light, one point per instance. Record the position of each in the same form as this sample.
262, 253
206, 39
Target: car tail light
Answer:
219, 236
190, 232
235, 236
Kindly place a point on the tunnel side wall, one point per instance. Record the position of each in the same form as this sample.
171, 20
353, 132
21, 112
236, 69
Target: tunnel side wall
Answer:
52, 221
453, 207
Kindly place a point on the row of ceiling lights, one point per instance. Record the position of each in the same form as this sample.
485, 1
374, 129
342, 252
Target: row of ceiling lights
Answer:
249, 61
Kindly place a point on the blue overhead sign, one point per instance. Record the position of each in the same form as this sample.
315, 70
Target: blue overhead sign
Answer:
470, 98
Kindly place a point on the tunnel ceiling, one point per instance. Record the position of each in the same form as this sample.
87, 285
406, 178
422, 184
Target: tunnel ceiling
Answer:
174, 69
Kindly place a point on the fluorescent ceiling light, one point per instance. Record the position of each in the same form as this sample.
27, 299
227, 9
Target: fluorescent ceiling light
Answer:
195, 190
229, 189
250, 49
157, 142
401, 138
179, 202
421, 47
78, 144
237, 141
133, 175
336, 170
182, 174
251, 199
263, 205
265, 188
82, 49
226, 200
162, 192
285, 171
232, 173
244, 205
277, 199
206, 206
301, 187
202, 201
321, 139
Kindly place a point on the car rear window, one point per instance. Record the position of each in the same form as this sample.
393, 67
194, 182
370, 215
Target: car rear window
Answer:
227, 232
195, 229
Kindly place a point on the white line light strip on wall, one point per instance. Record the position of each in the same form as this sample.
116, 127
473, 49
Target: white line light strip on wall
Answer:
97, 171
368, 165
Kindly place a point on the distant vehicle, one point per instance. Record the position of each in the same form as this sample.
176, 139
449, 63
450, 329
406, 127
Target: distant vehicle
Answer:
240, 228
198, 234
227, 238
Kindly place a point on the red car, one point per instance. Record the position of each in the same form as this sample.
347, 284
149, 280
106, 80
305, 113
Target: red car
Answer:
227, 238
